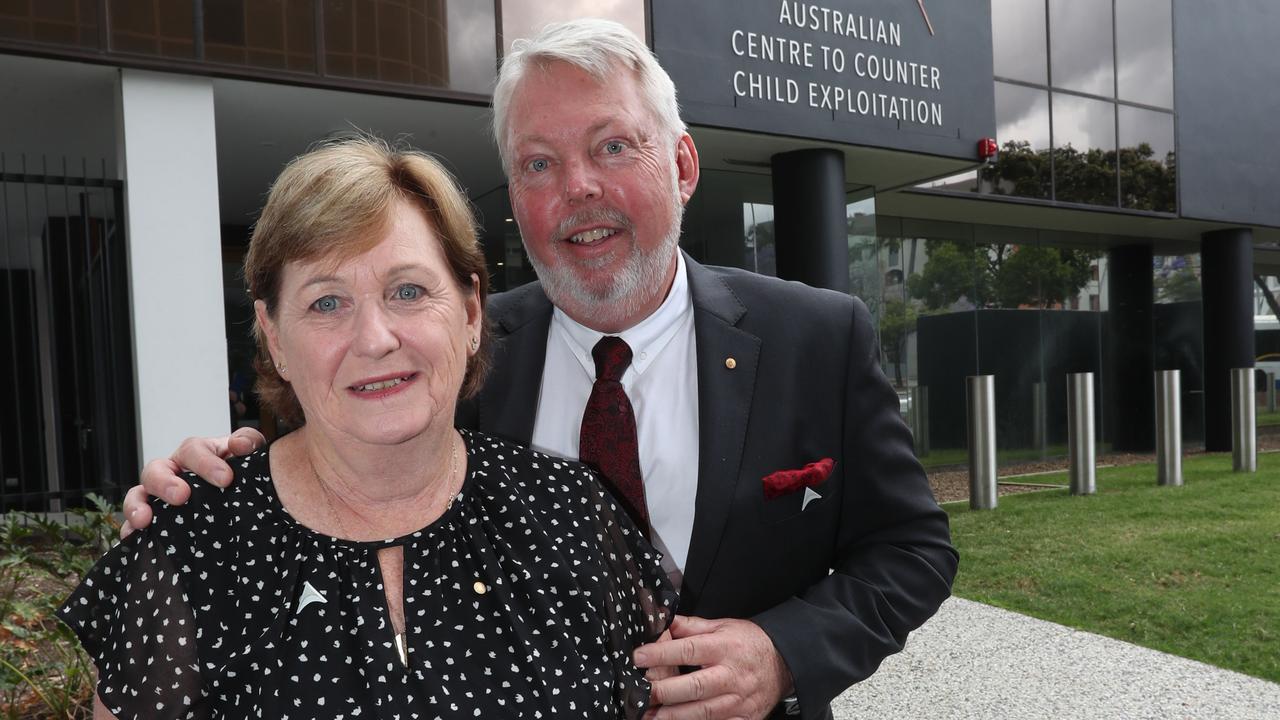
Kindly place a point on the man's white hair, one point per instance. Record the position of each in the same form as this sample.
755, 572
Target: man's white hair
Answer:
597, 47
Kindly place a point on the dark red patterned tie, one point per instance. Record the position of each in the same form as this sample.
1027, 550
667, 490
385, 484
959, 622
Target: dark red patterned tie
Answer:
608, 440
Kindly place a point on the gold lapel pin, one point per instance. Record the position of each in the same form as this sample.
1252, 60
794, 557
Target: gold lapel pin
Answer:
730, 363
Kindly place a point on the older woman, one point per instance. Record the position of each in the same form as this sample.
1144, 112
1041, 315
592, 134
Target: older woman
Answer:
375, 562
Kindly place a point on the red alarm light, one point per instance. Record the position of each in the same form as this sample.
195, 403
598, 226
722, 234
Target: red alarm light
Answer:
988, 149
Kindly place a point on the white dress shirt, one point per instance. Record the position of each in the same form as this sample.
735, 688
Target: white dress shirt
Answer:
662, 384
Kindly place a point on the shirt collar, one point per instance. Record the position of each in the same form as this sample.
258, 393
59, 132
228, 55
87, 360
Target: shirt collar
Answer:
647, 338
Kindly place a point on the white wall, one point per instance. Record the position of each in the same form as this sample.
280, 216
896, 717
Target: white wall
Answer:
175, 260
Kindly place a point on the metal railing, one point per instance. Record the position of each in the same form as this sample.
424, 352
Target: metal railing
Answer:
67, 425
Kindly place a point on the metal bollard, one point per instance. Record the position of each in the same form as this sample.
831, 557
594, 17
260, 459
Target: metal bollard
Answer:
920, 418
1081, 443
980, 393
1271, 392
1169, 427
1244, 431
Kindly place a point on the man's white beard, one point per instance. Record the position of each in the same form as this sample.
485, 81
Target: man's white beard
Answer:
643, 275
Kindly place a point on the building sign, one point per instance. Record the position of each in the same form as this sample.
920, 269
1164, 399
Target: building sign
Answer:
904, 74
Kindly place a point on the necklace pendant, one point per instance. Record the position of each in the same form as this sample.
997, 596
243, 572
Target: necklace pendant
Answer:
402, 649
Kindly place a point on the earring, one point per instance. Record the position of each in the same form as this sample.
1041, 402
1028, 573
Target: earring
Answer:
280, 368
475, 344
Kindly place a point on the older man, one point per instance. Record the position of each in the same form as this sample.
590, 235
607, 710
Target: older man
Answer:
767, 457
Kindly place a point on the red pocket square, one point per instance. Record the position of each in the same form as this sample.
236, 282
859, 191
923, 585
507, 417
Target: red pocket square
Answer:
784, 482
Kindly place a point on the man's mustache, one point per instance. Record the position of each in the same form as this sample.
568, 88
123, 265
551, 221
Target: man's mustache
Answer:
595, 216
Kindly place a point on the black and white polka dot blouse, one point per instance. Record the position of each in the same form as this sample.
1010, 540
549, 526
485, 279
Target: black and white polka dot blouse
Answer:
524, 599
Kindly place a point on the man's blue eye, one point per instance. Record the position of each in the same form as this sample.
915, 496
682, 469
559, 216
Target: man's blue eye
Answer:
408, 292
326, 304
538, 165
613, 148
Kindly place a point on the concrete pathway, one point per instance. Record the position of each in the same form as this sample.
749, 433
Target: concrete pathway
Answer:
977, 661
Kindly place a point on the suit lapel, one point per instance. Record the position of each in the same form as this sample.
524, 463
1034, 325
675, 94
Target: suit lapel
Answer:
724, 407
509, 402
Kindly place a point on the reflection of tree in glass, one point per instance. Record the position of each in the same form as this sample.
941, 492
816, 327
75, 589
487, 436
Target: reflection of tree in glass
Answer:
1147, 183
1037, 276
1177, 286
1002, 275
1088, 177
897, 321
952, 272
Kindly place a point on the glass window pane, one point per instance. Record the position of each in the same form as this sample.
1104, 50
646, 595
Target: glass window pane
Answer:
944, 273
431, 43
57, 22
1080, 36
153, 28
1022, 127
276, 34
1144, 51
1148, 172
1084, 150
1018, 40
865, 268
1178, 323
731, 200
473, 46
523, 18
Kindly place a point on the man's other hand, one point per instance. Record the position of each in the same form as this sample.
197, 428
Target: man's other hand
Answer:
740, 673
205, 457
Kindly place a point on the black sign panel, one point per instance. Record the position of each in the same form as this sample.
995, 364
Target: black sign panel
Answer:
901, 74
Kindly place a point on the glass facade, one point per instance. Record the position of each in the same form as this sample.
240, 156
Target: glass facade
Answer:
522, 18
153, 27
426, 44
1091, 120
72, 23
1028, 307
279, 34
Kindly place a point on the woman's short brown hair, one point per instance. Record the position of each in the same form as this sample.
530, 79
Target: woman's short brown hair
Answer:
333, 203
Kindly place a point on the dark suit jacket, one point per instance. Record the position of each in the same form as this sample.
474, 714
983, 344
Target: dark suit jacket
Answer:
837, 586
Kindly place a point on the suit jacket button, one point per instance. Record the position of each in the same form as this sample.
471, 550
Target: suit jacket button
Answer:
730, 363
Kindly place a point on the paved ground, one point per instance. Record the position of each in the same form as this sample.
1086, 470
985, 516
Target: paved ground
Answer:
976, 661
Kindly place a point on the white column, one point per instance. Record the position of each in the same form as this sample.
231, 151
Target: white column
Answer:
175, 258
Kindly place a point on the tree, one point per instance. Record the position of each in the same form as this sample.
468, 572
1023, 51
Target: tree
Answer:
1088, 176
953, 271
1178, 286
1040, 276
1004, 275
897, 321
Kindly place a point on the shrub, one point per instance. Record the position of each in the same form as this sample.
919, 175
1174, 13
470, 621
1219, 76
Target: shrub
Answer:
44, 673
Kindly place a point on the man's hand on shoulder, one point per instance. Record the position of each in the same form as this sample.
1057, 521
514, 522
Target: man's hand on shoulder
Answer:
205, 457
740, 673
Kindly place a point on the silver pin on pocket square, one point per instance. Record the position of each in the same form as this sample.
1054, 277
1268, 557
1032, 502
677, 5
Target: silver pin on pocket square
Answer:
809, 496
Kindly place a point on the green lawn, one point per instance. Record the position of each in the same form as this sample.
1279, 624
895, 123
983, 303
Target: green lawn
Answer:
1267, 418
1193, 571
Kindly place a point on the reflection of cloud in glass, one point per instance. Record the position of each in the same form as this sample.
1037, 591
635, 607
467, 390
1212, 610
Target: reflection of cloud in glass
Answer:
522, 18
1022, 114
1082, 123
1081, 38
472, 47
1144, 51
1147, 126
1017, 39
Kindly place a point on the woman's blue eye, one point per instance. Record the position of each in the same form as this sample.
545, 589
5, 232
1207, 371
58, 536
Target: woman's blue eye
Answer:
538, 165
326, 304
614, 147
408, 292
